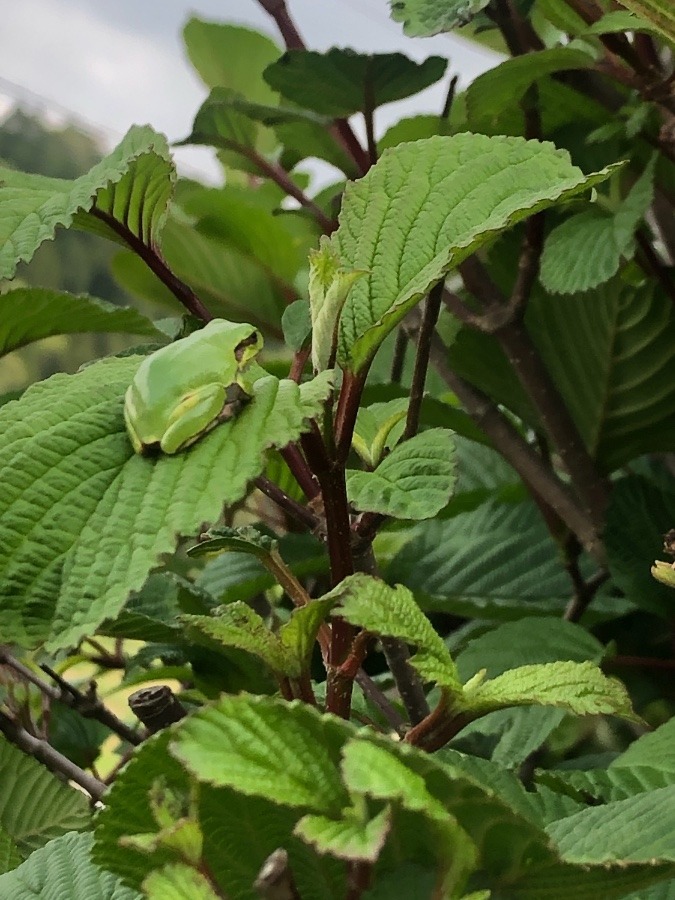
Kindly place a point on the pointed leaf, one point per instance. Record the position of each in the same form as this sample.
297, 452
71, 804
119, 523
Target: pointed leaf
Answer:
351, 82
130, 187
426, 206
580, 688
297, 636
297, 324
284, 752
424, 18
63, 870
372, 604
659, 12
178, 882
374, 427
414, 481
30, 314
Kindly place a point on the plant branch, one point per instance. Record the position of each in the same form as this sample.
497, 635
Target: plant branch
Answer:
86, 704
439, 727
432, 308
369, 119
521, 456
53, 760
398, 359
290, 506
155, 262
449, 98
297, 463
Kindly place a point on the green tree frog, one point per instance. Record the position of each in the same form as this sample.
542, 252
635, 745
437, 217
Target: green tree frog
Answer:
185, 389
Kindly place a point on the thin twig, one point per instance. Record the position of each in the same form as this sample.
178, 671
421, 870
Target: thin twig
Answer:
49, 757
369, 119
398, 359
449, 98
290, 506
155, 262
429, 318
87, 705
297, 463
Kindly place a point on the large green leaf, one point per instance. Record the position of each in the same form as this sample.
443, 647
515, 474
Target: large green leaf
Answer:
84, 519
30, 314
350, 82
10, 857
505, 84
426, 206
63, 870
34, 805
414, 481
639, 514
659, 12
132, 186
423, 18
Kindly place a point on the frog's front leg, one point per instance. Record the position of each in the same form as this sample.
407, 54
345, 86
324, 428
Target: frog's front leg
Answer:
196, 414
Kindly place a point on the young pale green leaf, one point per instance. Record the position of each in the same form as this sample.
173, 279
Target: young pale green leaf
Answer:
415, 481
127, 193
425, 207
664, 572
222, 121
237, 625
505, 84
63, 870
329, 286
424, 18
30, 314
178, 882
350, 82
261, 747
636, 830
35, 806
659, 12
348, 838
297, 636
373, 605
580, 688
374, 427
588, 248
84, 519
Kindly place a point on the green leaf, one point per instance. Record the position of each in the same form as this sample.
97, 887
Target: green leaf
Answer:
297, 324
299, 633
426, 206
35, 806
619, 20
350, 82
610, 354
246, 539
505, 84
588, 248
374, 429
510, 736
30, 314
497, 561
580, 688
639, 514
659, 12
415, 481
424, 18
347, 838
63, 870
373, 605
329, 287
10, 857
284, 752
637, 830
178, 882
66, 458
130, 187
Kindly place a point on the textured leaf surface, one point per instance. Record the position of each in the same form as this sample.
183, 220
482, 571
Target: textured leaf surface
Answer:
63, 870
133, 185
76, 494
640, 513
347, 838
10, 857
423, 18
350, 82
580, 688
237, 625
610, 354
639, 829
34, 805
425, 207
414, 481
30, 314
372, 604
281, 752
178, 882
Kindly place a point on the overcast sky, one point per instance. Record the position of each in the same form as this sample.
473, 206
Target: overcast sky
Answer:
114, 63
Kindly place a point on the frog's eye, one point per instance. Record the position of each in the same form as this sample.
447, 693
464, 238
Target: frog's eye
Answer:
240, 351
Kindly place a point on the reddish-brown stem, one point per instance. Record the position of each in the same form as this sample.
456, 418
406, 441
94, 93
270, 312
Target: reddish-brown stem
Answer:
297, 463
640, 662
439, 727
359, 876
154, 261
432, 308
300, 358
345, 414
290, 506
